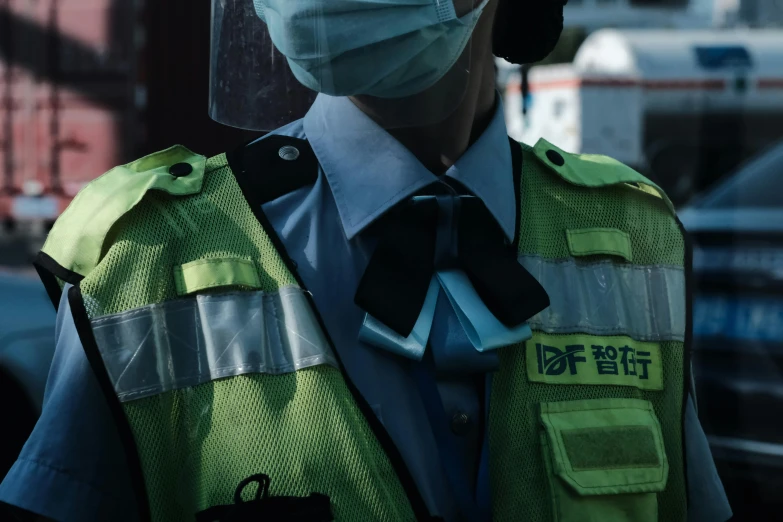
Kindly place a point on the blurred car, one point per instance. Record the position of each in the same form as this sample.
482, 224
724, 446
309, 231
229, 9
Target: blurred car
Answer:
26, 349
737, 232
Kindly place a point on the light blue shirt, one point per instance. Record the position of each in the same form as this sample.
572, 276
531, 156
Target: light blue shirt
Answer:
72, 467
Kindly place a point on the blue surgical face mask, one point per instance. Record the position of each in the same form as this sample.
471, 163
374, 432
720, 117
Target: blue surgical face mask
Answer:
383, 48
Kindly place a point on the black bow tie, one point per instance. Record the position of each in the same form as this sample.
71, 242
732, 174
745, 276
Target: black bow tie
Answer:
396, 280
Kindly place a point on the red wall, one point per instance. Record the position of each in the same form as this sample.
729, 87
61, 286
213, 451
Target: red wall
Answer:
67, 111
89, 84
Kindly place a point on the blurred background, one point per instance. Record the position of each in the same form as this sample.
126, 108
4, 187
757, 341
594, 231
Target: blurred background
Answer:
688, 92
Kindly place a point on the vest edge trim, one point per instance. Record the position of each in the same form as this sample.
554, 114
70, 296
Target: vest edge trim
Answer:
688, 347
84, 330
49, 270
234, 161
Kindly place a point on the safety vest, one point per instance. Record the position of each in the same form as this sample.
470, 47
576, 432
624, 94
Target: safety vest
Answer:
217, 366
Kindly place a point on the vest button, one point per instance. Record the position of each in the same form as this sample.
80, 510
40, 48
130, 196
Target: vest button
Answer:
555, 157
180, 169
460, 424
288, 153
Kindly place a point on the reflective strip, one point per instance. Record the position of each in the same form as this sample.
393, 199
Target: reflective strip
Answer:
646, 303
183, 343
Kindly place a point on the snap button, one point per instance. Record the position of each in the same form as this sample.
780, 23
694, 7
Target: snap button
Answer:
288, 152
555, 157
180, 169
460, 424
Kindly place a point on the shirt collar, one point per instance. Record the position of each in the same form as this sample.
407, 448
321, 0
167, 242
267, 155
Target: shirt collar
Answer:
486, 169
369, 171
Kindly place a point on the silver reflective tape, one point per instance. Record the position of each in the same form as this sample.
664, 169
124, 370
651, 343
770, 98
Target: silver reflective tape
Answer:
646, 303
191, 341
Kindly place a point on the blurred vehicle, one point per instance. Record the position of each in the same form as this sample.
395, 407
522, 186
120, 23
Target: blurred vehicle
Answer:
683, 107
737, 231
26, 350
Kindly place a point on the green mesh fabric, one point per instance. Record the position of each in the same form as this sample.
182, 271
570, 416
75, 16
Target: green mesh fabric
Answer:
518, 478
149, 241
302, 429
550, 206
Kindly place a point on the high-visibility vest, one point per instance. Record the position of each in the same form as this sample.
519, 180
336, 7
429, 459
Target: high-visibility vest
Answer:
218, 367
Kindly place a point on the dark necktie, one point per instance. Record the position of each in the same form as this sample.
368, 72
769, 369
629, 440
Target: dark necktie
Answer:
398, 275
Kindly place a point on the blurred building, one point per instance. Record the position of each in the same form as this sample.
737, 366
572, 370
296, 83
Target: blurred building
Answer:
681, 14
86, 85
759, 13
684, 106
596, 14
682, 90
68, 99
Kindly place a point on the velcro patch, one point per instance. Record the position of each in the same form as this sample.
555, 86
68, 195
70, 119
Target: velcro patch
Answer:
614, 447
587, 359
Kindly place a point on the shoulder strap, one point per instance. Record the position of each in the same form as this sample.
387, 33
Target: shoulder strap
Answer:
74, 245
517, 157
273, 166
594, 170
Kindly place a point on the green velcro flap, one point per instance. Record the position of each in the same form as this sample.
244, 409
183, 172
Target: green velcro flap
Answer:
212, 273
595, 170
606, 446
588, 359
619, 447
593, 241
76, 239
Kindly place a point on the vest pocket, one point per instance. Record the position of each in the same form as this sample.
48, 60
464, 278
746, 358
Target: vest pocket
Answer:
205, 274
604, 459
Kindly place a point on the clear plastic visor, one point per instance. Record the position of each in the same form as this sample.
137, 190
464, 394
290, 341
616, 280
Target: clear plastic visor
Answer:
403, 62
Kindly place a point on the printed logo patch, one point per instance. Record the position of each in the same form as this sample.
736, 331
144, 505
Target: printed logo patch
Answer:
587, 359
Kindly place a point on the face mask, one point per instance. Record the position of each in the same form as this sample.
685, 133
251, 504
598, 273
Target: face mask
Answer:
383, 48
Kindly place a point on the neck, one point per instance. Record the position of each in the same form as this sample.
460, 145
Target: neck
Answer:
438, 146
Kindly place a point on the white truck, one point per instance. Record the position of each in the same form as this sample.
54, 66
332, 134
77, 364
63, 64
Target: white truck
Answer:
684, 107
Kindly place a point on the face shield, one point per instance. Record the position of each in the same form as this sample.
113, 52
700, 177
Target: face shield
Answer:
406, 63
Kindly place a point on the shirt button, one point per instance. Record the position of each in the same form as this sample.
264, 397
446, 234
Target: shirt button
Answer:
460, 424
288, 153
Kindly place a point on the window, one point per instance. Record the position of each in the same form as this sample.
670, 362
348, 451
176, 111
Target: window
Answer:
758, 184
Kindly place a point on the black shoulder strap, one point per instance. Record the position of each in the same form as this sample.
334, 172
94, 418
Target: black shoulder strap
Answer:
273, 166
516, 162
